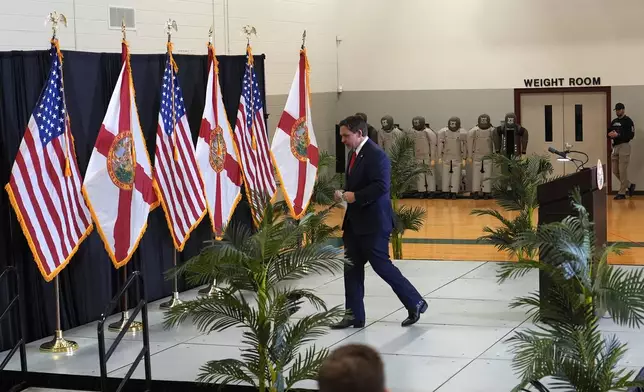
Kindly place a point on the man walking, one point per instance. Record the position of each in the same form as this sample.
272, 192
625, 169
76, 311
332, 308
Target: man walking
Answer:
622, 131
367, 226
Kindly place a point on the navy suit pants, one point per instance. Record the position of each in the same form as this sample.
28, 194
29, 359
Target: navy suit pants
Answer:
373, 248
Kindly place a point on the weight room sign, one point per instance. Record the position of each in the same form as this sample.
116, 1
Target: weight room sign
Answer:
585, 81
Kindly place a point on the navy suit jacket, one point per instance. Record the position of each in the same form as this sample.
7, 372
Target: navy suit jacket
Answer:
370, 180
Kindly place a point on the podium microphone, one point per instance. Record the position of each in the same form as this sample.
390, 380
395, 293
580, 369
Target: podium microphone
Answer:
557, 152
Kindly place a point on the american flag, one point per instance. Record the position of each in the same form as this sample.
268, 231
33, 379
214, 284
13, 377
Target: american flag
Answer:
45, 183
252, 139
177, 174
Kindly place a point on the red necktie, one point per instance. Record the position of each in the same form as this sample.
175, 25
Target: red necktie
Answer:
352, 160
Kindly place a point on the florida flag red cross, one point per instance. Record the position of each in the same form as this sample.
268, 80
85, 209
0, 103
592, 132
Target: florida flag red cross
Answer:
217, 154
118, 182
294, 146
45, 184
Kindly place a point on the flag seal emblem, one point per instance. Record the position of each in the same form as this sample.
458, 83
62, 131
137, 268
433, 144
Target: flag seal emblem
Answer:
217, 149
120, 164
300, 140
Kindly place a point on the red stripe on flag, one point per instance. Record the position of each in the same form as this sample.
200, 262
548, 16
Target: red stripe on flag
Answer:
183, 178
56, 182
104, 141
301, 182
167, 173
313, 154
122, 225
195, 183
72, 192
53, 211
36, 204
35, 237
240, 138
143, 184
204, 131
302, 85
265, 161
218, 219
233, 170
286, 123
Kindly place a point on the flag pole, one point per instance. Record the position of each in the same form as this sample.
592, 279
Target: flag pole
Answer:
212, 289
58, 344
174, 301
118, 326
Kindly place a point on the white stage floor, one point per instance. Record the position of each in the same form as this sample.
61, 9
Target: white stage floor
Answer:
457, 346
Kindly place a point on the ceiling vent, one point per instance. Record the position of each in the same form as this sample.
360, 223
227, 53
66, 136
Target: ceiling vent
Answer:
118, 14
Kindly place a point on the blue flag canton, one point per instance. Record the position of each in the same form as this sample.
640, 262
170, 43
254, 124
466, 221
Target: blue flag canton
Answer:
170, 90
50, 110
252, 100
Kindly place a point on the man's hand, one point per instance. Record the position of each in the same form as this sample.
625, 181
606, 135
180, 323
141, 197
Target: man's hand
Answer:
350, 197
337, 196
613, 134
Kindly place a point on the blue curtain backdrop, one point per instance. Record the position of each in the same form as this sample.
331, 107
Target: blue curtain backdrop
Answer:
90, 280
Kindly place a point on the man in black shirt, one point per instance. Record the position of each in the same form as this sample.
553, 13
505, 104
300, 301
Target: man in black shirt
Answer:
622, 131
372, 133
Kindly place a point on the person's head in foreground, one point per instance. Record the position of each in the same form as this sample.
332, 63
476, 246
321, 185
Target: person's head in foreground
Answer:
352, 368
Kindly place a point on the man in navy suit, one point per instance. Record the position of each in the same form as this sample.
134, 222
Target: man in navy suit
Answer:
367, 226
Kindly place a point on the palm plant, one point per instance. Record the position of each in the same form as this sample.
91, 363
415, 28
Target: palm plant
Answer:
404, 172
515, 189
568, 344
325, 186
255, 269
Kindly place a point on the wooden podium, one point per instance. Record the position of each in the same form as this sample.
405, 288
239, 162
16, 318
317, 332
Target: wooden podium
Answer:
555, 204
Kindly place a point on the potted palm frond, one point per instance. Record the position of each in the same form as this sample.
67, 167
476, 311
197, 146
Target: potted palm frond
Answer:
322, 201
514, 188
567, 344
255, 269
404, 172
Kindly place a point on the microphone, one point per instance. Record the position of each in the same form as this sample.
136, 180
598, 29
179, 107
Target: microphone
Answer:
557, 152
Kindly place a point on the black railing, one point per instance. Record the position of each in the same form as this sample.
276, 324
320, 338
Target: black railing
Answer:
145, 351
14, 302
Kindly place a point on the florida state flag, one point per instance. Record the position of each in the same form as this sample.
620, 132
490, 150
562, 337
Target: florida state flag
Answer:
217, 154
294, 146
118, 184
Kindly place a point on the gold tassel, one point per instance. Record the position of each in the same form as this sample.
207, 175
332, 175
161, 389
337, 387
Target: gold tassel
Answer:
176, 153
68, 169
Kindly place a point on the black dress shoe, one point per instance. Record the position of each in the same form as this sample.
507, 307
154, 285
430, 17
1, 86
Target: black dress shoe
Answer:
414, 315
631, 190
348, 323
620, 197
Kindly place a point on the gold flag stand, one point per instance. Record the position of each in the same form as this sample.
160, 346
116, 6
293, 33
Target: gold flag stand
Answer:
211, 291
174, 301
118, 326
58, 344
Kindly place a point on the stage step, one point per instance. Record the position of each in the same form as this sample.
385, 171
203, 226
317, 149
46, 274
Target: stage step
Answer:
50, 390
